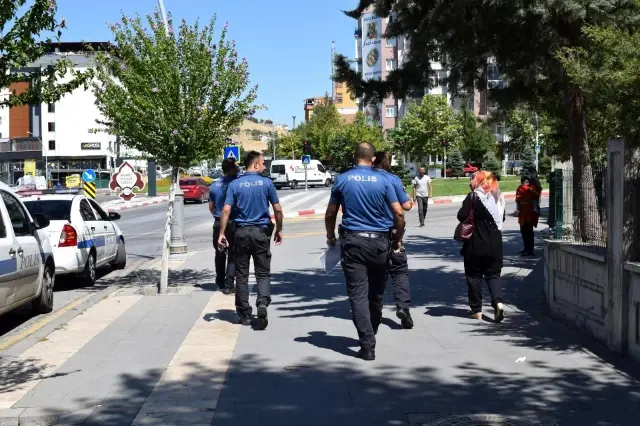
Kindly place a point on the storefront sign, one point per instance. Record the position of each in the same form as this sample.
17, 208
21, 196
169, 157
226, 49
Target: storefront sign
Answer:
90, 145
126, 179
30, 167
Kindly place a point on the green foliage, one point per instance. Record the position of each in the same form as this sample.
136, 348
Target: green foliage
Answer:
528, 161
174, 96
456, 163
288, 146
521, 122
424, 127
402, 171
492, 164
473, 139
23, 40
325, 124
544, 165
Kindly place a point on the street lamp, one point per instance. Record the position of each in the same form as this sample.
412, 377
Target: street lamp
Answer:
46, 157
163, 13
293, 153
537, 143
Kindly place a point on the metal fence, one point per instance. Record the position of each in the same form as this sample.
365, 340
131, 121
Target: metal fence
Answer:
577, 213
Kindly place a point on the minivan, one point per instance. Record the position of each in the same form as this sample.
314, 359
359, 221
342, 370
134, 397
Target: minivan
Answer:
291, 173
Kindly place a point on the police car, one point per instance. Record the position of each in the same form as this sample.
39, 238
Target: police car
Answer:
27, 268
83, 236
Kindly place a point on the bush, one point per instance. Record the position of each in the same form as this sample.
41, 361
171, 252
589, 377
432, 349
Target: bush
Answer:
491, 164
544, 166
456, 163
528, 161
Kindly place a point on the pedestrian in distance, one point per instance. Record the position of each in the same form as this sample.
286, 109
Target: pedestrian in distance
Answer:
224, 260
422, 190
365, 240
398, 267
482, 252
250, 196
528, 211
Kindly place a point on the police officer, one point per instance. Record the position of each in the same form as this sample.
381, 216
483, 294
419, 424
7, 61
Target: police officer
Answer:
250, 195
365, 196
398, 268
225, 264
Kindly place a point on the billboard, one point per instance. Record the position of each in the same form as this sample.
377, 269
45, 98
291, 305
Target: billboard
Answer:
372, 58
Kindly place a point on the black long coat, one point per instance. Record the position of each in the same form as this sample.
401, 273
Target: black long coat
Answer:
486, 241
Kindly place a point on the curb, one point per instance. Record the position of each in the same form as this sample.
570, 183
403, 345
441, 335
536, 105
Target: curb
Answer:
129, 205
438, 200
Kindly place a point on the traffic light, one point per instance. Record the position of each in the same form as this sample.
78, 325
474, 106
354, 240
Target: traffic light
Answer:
445, 144
306, 147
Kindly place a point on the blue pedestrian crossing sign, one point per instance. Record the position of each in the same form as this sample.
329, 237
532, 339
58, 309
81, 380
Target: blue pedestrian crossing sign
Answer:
306, 159
89, 176
232, 152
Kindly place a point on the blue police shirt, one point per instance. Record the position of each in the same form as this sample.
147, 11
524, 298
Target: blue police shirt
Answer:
251, 194
398, 187
365, 196
218, 193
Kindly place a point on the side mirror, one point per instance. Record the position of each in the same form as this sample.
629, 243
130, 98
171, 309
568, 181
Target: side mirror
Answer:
114, 216
41, 220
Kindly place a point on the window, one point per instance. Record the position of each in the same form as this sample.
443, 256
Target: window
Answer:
321, 168
103, 215
52, 209
277, 169
390, 64
492, 73
439, 79
498, 128
493, 103
51, 108
86, 212
391, 111
388, 42
52, 127
3, 230
471, 104
17, 215
52, 145
339, 99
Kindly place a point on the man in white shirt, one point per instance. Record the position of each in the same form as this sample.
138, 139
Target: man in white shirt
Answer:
421, 192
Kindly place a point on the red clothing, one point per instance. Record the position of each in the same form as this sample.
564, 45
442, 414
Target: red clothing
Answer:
528, 198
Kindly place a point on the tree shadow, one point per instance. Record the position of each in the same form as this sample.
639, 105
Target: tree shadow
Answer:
15, 372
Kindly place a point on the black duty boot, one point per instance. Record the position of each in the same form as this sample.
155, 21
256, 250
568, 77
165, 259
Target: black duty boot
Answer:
245, 319
405, 317
367, 354
263, 320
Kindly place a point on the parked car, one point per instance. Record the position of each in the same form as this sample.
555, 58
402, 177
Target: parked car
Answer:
195, 189
84, 237
468, 170
27, 267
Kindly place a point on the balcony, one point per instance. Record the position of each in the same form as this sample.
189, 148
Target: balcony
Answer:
21, 145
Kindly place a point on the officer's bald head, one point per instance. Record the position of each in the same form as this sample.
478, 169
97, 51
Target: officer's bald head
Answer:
382, 160
364, 153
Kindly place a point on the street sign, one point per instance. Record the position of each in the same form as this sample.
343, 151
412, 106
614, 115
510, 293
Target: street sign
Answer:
538, 148
306, 159
89, 176
90, 189
126, 178
232, 152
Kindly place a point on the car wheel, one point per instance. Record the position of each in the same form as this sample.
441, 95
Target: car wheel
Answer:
201, 200
278, 187
327, 182
44, 303
294, 184
120, 261
89, 273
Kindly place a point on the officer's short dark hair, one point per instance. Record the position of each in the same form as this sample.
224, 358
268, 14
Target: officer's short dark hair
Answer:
382, 160
252, 157
228, 164
364, 151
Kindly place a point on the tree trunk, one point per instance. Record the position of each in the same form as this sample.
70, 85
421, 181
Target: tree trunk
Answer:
586, 216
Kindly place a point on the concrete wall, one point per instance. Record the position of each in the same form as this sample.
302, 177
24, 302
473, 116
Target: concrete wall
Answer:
632, 272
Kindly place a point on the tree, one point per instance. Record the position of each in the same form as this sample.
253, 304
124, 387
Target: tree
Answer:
528, 162
474, 139
22, 43
174, 96
324, 125
426, 125
341, 146
456, 163
288, 145
492, 164
470, 32
402, 171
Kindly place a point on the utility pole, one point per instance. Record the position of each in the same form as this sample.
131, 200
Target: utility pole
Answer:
537, 142
163, 13
333, 72
293, 154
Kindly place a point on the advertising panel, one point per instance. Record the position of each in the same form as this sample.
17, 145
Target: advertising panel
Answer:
372, 59
30, 167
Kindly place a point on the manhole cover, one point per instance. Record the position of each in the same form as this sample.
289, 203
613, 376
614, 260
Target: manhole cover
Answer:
480, 420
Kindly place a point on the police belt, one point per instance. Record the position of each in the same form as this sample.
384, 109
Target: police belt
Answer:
366, 234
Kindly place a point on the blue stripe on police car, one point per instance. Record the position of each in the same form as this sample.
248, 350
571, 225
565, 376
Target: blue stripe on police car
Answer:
8, 266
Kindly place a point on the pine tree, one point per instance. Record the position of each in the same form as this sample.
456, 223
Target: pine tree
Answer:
402, 171
456, 163
528, 161
492, 164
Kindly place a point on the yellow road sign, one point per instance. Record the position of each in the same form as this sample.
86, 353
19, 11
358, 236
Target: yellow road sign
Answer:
73, 181
90, 189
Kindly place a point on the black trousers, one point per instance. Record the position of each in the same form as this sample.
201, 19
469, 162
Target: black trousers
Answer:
399, 271
364, 263
475, 269
252, 242
224, 259
423, 205
526, 229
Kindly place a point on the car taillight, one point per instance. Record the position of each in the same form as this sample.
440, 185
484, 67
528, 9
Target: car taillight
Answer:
68, 236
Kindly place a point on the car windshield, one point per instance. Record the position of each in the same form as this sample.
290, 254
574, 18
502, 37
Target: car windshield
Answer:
52, 209
188, 182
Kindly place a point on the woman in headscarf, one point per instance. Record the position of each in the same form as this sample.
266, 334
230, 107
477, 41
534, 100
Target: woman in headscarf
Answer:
528, 202
483, 251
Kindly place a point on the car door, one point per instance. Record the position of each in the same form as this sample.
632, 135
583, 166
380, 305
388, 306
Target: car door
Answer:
110, 240
26, 248
8, 261
94, 229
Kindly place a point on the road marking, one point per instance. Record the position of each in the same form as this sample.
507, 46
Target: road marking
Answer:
206, 354
46, 356
301, 201
162, 230
322, 204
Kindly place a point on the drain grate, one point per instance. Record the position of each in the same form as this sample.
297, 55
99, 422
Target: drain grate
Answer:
480, 420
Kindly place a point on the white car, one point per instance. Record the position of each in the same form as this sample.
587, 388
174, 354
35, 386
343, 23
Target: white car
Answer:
291, 173
83, 236
27, 268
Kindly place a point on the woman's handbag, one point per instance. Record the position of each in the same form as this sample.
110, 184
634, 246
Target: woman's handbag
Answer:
464, 230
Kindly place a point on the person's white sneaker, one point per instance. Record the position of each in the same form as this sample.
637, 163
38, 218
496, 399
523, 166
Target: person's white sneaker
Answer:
499, 313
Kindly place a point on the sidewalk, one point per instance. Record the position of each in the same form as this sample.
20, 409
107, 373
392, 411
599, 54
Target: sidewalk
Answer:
180, 359
137, 202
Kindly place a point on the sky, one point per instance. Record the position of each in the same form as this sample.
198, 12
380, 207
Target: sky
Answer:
286, 42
